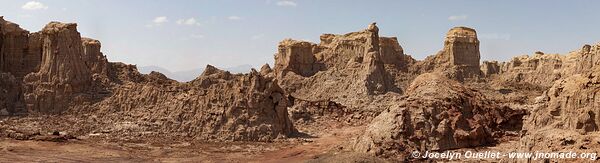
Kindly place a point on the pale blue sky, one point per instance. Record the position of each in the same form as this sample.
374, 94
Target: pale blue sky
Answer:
234, 32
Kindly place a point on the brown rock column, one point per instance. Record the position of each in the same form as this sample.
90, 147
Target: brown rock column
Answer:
373, 66
460, 57
62, 73
297, 57
92, 56
13, 48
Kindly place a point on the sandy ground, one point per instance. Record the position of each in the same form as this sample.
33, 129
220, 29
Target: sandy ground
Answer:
296, 150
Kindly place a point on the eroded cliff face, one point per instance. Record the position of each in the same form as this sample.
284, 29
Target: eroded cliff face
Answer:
544, 69
14, 49
572, 103
217, 106
438, 114
349, 69
70, 77
8, 93
13, 46
63, 76
566, 116
52, 67
459, 59
297, 57
93, 58
444, 102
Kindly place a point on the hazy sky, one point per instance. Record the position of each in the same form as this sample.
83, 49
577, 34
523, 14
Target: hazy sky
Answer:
182, 35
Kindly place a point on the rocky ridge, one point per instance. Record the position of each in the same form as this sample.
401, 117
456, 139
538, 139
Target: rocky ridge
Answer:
544, 69
60, 81
353, 69
73, 78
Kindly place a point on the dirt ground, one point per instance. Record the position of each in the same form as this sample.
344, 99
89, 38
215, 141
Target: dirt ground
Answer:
314, 145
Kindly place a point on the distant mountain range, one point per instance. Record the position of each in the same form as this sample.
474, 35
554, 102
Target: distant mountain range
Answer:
188, 75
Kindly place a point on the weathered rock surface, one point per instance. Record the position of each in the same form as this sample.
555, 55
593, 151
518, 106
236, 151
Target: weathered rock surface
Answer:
58, 63
438, 114
566, 116
444, 102
9, 91
540, 69
297, 57
490, 67
544, 69
14, 48
62, 75
460, 57
216, 106
93, 58
572, 103
71, 77
348, 69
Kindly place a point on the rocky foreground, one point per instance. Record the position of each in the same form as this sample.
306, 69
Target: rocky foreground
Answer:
351, 97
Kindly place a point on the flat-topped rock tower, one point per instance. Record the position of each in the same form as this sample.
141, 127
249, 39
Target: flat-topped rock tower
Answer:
462, 47
459, 59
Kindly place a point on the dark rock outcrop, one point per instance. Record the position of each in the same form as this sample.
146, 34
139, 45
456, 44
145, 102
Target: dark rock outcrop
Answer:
9, 91
14, 49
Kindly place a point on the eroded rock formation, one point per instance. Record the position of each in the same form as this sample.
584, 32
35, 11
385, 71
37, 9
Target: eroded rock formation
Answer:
460, 57
63, 75
69, 76
216, 106
343, 68
567, 116
444, 102
93, 58
438, 114
14, 47
8, 93
489, 67
543, 69
297, 57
